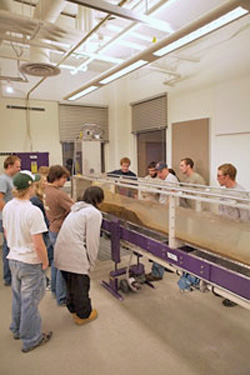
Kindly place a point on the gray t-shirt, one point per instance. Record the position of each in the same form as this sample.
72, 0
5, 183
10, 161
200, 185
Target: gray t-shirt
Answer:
195, 179
6, 187
234, 212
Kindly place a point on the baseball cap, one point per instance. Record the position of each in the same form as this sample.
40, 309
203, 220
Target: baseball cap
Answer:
24, 179
161, 165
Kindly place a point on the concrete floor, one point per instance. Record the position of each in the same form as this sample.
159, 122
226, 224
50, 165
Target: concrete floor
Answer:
152, 332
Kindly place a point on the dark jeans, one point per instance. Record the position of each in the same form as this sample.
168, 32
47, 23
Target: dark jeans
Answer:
78, 300
58, 285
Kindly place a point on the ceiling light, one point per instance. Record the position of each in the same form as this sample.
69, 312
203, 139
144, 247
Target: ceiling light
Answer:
209, 22
83, 92
9, 88
124, 71
204, 30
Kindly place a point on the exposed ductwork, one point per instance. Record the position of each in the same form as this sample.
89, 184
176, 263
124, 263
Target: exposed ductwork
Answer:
6, 5
39, 65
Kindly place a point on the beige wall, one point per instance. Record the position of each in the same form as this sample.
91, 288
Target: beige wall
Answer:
44, 129
225, 104
229, 135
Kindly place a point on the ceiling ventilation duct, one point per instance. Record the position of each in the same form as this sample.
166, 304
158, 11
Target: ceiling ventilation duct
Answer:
39, 65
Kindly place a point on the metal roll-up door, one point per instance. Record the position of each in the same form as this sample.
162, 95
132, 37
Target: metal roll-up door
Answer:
149, 114
72, 117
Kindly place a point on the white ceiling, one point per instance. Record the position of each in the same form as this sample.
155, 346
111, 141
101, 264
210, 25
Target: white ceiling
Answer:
218, 56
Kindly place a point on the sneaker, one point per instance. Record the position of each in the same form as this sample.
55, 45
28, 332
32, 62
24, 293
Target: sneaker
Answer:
48, 286
45, 338
16, 336
80, 321
168, 270
151, 277
227, 303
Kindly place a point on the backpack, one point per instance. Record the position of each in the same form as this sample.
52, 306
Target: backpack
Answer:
187, 282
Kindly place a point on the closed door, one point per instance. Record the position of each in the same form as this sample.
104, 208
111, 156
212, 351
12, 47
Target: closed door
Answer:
191, 139
151, 146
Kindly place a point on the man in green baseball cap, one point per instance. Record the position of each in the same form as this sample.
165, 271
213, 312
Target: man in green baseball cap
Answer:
24, 179
24, 226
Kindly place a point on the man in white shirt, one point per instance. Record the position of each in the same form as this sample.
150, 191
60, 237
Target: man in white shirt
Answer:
165, 175
226, 176
24, 225
157, 271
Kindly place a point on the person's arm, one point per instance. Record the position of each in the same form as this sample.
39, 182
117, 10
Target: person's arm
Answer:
40, 249
2, 202
65, 202
93, 227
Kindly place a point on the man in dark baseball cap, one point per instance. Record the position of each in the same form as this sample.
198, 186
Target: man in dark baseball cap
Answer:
158, 270
161, 165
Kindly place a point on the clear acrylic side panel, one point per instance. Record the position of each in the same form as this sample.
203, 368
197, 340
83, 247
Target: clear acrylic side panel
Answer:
202, 225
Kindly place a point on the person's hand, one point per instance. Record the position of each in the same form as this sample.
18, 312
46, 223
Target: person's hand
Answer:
45, 265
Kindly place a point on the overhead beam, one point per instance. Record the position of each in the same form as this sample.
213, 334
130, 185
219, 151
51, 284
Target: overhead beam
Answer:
128, 14
105, 7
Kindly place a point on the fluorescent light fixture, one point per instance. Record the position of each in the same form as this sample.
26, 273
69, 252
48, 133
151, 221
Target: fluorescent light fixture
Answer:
124, 71
83, 92
204, 30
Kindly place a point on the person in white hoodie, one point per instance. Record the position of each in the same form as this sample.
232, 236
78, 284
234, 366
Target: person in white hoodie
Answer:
76, 250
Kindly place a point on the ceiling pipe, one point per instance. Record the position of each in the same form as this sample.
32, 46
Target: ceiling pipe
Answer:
73, 49
120, 35
91, 32
6, 5
148, 56
39, 65
48, 10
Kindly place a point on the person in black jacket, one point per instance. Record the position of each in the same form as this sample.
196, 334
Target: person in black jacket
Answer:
126, 173
124, 170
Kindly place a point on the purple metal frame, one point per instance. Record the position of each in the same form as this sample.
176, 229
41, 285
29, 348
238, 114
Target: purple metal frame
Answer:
207, 270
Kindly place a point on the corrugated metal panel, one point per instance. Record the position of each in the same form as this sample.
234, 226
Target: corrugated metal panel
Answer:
149, 114
72, 117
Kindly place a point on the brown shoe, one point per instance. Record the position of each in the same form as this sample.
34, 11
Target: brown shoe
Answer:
45, 338
80, 321
151, 277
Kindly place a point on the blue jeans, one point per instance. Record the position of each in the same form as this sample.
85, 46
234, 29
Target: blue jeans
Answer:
157, 270
58, 285
6, 268
28, 288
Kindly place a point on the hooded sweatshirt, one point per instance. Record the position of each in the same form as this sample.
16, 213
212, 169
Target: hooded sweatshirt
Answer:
77, 243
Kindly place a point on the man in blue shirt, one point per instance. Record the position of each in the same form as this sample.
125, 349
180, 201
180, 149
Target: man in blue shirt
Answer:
12, 165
